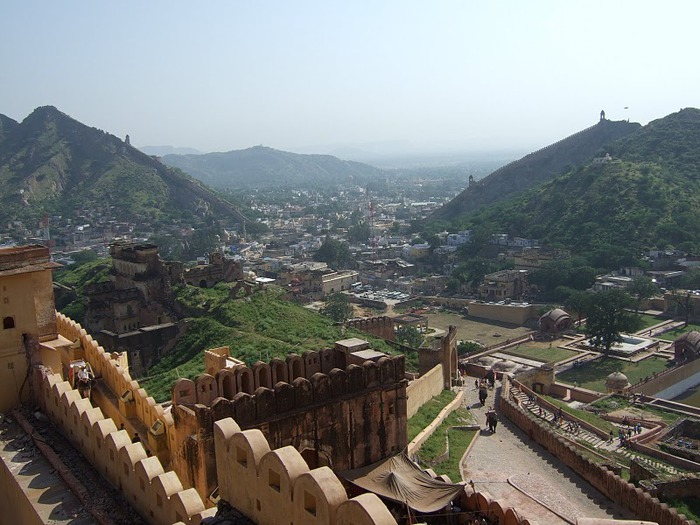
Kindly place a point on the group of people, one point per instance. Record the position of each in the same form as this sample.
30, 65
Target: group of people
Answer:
625, 434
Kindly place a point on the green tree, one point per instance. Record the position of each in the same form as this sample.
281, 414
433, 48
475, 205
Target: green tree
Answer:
691, 280
338, 307
409, 336
642, 288
578, 301
334, 253
467, 347
608, 316
359, 232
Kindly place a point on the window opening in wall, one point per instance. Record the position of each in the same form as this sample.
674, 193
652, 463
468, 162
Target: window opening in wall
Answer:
159, 500
8, 322
309, 503
126, 469
242, 457
274, 480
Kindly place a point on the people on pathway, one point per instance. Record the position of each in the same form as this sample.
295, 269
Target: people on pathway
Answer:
483, 394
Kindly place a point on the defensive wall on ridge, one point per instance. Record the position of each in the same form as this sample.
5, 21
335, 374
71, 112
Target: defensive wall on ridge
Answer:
635, 499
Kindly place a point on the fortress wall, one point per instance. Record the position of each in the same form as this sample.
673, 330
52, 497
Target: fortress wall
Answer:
644, 506
157, 495
423, 389
133, 400
381, 326
346, 418
277, 486
318, 387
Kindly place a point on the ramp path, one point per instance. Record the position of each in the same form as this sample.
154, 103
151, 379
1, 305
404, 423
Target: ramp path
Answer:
513, 468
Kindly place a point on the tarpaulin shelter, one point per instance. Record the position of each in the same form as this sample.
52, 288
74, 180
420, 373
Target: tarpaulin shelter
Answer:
401, 480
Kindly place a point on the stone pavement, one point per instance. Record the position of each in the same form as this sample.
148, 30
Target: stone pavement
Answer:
514, 469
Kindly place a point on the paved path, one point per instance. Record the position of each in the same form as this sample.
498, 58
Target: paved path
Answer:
514, 469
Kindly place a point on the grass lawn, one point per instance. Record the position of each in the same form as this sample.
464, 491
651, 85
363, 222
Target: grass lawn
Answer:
428, 412
544, 355
672, 335
650, 320
459, 441
592, 374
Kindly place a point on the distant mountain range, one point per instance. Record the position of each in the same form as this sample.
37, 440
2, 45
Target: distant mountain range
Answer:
645, 195
52, 163
261, 166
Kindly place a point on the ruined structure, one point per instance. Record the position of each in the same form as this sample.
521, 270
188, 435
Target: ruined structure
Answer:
217, 269
445, 354
342, 407
133, 312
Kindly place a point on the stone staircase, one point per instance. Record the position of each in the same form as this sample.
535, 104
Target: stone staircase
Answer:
602, 446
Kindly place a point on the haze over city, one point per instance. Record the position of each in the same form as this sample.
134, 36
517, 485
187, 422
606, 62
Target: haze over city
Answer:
332, 77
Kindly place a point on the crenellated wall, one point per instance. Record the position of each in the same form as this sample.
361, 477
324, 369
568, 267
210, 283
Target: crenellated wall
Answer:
381, 326
132, 403
272, 486
644, 506
345, 419
157, 495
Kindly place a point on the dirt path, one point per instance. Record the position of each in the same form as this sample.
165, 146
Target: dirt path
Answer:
512, 468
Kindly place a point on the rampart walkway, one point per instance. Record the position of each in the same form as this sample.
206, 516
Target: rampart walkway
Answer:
511, 467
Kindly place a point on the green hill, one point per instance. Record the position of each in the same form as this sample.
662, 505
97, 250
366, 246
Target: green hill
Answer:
52, 163
256, 328
646, 196
261, 166
536, 168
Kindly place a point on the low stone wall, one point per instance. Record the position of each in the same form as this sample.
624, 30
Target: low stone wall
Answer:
625, 494
423, 389
415, 445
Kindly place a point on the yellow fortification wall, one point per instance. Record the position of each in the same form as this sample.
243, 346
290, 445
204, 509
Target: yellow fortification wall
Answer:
157, 495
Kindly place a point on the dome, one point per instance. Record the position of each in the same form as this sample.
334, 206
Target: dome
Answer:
617, 381
555, 315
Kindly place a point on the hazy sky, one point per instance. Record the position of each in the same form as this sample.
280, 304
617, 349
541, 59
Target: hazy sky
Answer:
432, 75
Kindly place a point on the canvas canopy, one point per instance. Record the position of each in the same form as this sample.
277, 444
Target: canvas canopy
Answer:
400, 479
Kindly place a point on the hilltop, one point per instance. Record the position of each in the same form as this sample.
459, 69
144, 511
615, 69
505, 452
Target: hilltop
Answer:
536, 168
647, 195
262, 166
50, 162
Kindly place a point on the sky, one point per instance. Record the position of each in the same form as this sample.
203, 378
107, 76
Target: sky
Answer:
332, 75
